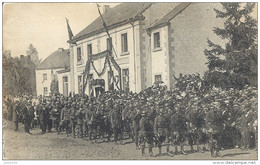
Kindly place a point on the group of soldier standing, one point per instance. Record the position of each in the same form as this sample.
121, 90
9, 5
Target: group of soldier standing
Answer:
152, 118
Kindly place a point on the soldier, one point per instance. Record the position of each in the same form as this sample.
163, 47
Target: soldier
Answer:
80, 116
72, 114
91, 123
213, 125
55, 114
116, 123
161, 130
136, 117
65, 119
146, 134
178, 129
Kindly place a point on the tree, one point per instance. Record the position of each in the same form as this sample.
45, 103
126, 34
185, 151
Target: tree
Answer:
32, 51
235, 65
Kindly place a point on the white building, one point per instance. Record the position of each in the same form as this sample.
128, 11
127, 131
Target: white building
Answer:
47, 71
152, 42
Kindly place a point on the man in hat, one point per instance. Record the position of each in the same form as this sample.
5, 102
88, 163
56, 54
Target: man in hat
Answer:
90, 118
146, 134
136, 117
161, 130
15, 115
26, 118
43, 116
65, 118
213, 125
116, 123
178, 129
80, 117
55, 114
73, 121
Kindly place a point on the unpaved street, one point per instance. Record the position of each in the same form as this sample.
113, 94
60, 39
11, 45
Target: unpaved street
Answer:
20, 146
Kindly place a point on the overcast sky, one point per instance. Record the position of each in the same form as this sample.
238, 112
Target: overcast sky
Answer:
44, 25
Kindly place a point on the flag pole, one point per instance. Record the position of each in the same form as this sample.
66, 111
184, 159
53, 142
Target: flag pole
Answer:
105, 27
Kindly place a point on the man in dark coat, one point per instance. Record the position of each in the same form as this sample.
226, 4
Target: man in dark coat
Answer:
15, 116
161, 130
146, 134
116, 123
26, 118
213, 124
44, 116
64, 118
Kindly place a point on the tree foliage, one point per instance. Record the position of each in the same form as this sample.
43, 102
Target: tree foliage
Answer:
235, 64
18, 75
32, 51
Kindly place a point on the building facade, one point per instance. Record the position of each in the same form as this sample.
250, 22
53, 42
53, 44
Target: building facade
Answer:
51, 72
150, 42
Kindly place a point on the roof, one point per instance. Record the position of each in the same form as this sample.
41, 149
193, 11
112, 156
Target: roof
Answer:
170, 15
57, 59
114, 17
63, 71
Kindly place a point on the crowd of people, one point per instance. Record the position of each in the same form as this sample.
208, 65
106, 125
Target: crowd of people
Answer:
187, 115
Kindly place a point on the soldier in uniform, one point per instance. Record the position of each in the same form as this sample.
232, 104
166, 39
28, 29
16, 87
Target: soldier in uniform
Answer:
55, 113
73, 121
136, 117
91, 123
213, 125
178, 129
65, 119
161, 130
80, 117
146, 134
116, 123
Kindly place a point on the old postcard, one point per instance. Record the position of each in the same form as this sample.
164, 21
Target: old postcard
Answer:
130, 81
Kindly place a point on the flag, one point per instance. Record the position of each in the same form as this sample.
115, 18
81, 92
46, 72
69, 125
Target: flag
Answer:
69, 30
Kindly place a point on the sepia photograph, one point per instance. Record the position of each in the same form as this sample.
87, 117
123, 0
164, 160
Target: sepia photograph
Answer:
130, 81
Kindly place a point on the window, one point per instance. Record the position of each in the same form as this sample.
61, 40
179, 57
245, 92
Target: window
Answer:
89, 47
125, 79
45, 90
78, 54
158, 78
80, 84
109, 44
156, 40
44, 76
124, 42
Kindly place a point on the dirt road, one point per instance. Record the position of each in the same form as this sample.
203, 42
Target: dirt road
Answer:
50, 146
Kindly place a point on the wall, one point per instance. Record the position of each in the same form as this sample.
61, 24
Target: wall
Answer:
60, 81
40, 84
188, 37
160, 56
155, 12
128, 60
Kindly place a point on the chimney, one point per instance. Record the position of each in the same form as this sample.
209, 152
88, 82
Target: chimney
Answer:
105, 8
60, 50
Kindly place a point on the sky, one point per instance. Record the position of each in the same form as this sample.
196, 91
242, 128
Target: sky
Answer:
44, 25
